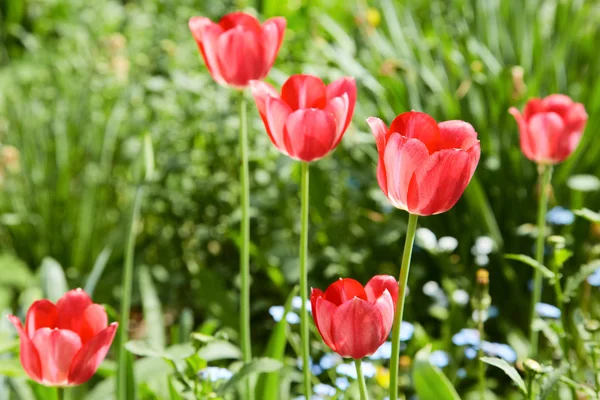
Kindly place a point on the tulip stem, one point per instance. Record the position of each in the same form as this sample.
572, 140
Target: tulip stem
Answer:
545, 175
403, 281
245, 243
304, 332
122, 378
364, 395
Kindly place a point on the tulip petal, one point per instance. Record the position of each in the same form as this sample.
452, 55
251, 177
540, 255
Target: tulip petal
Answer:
532, 107
94, 321
41, 314
89, 357
261, 91
527, 145
338, 106
273, 30
442, 180
30, 359
206, 33
387, 307
576, 118
343, 290
457, 135
546, 130
379, 284
324, 311
557, 103
70, 309
402, 157
241, 19
309, 134
56, 348
419, 126
344, 86
380, 132
357, 328
276, 118
304, 91
240, 56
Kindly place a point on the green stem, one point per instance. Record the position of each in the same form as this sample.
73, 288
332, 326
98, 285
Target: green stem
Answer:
304, 332
403, 281
530, 392
245, 244
122, 389
545, 172
60, 393
364, 395
594, 366
480, 352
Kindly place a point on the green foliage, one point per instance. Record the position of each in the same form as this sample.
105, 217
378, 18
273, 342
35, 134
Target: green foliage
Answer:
431, 383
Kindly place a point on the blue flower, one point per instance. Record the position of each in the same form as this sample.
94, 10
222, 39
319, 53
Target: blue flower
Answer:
439, 358
547, 311
406, 331
493, 312
461, 373
330, 360
560, 216
501, 350
470, 353
384, 352
278, 311
297, 303
594, 278
466, 336
342, 383
324, 390
214, 374
349, 370
314, 368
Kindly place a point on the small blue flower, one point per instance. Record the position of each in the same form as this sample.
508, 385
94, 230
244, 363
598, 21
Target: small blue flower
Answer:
349, 370
466, 336
314, 368
461, 373
594, 278
470, 353
560, 216
324, 390
214, 374
406, 331
547, 311
384, 352
297, 303
501, 350
278, 311
493, 312
439, 358
330, 360
342, 383
460, 297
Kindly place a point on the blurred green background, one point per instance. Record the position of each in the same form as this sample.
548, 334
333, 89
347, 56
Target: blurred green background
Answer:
82, 84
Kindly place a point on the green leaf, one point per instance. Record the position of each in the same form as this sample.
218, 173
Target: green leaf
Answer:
561, 256
532, 263
574, 281
143, 349
11, 368
267, 387
219, 350
588, 214
173, 394
52, 276
508, 369
429, 381
97, 270
152, 307
541, 325
179, 352
14, 272
550, 381
256, 366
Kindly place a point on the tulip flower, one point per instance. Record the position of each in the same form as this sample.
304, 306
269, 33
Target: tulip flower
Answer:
424, 167
63, 344
354, 321
307, 121
238, 48
550, 128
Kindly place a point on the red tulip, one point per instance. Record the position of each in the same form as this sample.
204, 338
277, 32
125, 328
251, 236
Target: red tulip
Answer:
354, 321
308, 119
238, 49
550, 128
63, 344
424, 167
